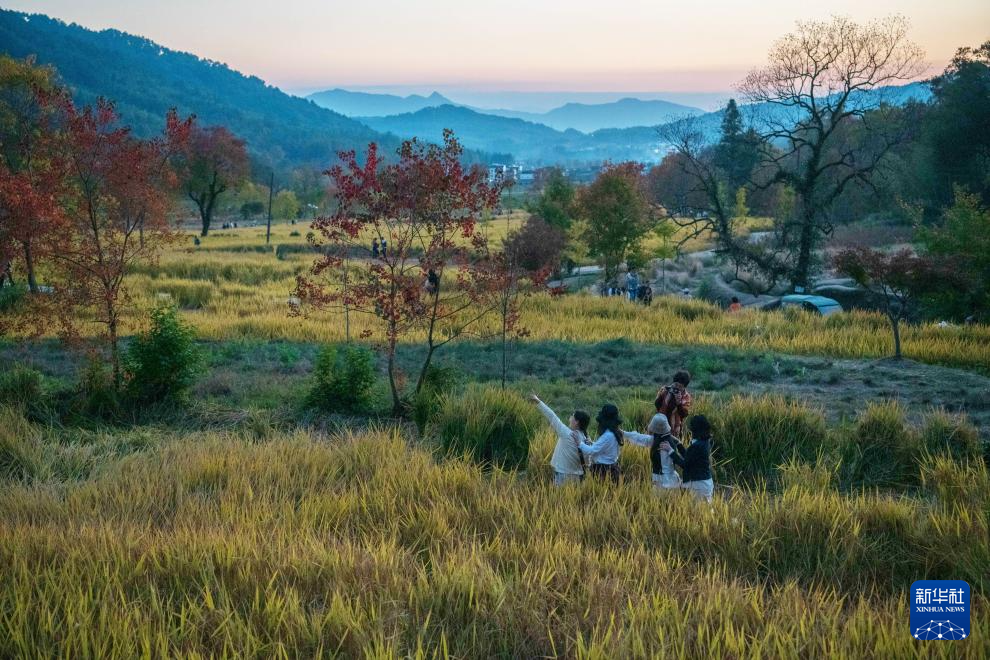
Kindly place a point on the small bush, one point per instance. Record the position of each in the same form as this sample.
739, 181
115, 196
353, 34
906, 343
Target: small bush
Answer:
884, 449
163, 363
438, 382
96, 397
493, 426
22, 388
344, 380
755, 435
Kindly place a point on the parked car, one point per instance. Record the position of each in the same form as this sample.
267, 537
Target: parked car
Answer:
817, 304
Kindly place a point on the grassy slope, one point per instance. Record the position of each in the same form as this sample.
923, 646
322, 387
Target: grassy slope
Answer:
263, 543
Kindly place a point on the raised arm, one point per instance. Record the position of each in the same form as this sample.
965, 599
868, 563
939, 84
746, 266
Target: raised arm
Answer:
641, 439
559, 428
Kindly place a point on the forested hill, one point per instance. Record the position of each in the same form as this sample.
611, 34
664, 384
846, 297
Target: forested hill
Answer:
146, 79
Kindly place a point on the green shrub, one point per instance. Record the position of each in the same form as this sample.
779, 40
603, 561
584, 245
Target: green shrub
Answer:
438, 382
343, 379
884, 449
755, 435
164, 362
22, 388
11, 296
945, 432
492, 426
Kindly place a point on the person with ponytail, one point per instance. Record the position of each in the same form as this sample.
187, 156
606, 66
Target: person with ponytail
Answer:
603, 453
567, 461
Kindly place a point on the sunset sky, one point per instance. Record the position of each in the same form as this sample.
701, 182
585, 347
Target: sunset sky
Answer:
578, 45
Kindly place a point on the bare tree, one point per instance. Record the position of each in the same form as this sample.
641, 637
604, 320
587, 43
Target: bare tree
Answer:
819, 80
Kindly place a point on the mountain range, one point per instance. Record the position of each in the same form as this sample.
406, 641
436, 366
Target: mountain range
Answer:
584, 117
145, 79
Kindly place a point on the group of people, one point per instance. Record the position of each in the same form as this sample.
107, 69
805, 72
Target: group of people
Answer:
576, 455
637, 292
379, 249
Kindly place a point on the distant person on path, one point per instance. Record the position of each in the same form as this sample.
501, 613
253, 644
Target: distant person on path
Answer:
632, 284
696, 459
432, 282
384, 248
674, 401
645, 294
735, 305
657, 433
374, 248
604, 452
567, 460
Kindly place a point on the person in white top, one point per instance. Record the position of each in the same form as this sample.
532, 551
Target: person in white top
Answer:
567, 461
603, 453
657, 432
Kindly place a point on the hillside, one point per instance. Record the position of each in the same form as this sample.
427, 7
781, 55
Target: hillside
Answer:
363, 104
145, 79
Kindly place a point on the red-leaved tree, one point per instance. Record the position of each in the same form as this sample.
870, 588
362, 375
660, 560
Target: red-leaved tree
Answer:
116, 194
213, 161
433, 275
898, 280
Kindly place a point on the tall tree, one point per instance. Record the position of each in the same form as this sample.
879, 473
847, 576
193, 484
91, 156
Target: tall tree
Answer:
26, 193
214, 161
957, 129
618, 214
818, 79
426, 205
116, 188
738, 149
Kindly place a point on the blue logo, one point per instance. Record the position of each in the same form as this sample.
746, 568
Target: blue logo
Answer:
940, 609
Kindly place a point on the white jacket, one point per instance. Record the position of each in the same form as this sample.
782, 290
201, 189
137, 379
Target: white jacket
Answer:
566, 459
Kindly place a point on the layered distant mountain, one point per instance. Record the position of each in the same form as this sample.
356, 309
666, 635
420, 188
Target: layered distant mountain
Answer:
363, 104
590, 117
534, 143
146, 79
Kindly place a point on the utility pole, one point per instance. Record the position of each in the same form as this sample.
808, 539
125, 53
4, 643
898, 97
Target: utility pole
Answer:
271, 191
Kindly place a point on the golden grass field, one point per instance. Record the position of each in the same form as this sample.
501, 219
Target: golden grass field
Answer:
257, 542
234, 286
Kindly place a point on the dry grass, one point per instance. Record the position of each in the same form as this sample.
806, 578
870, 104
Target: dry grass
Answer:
213, 544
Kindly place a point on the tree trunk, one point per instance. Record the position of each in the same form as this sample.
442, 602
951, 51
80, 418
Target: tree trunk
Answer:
115, 353
271, 190
396, 401
426, 367
802, 272
895, 325
204, 216
29, 266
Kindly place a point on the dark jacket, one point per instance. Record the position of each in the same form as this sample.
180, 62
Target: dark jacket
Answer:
655, 450
695, 460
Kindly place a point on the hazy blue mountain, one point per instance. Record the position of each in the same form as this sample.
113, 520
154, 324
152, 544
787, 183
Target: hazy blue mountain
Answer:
529, 142
146, 79
590, 117
363, 104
